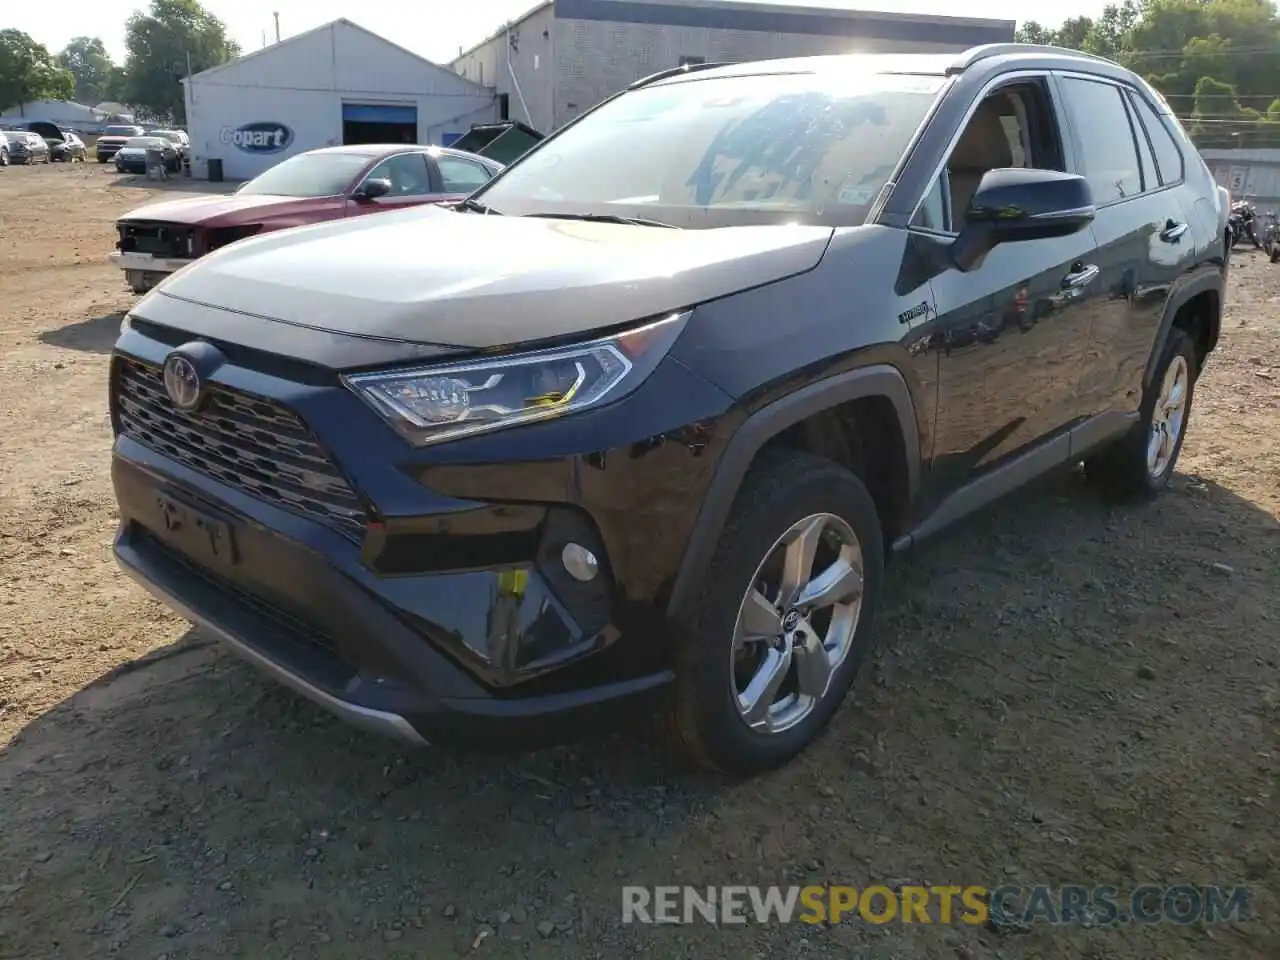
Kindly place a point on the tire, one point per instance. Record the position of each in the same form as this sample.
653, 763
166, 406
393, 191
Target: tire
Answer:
1275, 253
1126, 469
704, 720
102, 159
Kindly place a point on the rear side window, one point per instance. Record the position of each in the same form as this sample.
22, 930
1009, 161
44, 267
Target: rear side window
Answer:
461, 176
1168, 155
1107, 148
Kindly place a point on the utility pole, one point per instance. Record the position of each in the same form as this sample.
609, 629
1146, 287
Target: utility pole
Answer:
277, 16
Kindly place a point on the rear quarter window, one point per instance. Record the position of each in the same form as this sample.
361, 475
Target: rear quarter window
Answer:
1168, 154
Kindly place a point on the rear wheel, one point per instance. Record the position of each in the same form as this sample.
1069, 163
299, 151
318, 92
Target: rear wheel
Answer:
1142, 462
785, 618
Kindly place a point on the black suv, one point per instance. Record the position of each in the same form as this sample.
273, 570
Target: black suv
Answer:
637, 425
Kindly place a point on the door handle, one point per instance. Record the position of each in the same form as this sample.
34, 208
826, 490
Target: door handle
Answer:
1173, 232
1081, 276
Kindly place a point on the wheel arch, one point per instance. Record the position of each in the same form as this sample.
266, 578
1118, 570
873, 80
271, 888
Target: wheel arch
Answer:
1204, 290
880, 382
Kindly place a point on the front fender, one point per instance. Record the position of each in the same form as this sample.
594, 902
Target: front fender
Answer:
879, 380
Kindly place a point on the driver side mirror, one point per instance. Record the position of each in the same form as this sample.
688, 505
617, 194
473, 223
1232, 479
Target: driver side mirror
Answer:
1018, 204
372, 190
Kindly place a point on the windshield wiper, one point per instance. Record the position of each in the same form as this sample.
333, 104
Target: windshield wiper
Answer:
606, 218
475, 206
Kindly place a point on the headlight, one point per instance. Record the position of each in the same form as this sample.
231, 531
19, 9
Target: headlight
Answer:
430, 404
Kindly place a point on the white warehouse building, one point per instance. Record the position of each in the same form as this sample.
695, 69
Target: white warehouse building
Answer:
565, 56
332, 85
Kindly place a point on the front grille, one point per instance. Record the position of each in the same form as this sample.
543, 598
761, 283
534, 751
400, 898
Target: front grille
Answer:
247, 442
160, 239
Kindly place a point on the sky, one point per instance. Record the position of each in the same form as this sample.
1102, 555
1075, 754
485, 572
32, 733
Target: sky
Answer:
435, 29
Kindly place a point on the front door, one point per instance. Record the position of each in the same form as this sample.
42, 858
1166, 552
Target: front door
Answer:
410, 180
1012, 332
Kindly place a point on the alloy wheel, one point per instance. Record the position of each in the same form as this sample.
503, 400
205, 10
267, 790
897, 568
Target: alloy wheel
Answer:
796, 623
1168, 417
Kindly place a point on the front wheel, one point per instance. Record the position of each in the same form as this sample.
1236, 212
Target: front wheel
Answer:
1141, 463
785, 616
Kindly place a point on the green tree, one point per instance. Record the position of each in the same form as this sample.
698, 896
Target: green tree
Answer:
28, 72
86, 58
1033, 32
163, 44
1217, 62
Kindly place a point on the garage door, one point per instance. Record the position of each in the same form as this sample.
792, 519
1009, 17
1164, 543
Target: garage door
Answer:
379, 113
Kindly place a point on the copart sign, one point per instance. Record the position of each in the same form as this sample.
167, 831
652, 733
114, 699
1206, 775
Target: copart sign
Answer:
262, 136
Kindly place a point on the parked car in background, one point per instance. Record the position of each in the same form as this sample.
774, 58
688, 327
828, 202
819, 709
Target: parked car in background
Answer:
132, 157
318, 185
70, 149
113, 138
63, 144
638, 424
178, 138
26, 147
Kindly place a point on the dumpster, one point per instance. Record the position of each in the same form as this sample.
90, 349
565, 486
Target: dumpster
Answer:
505, 142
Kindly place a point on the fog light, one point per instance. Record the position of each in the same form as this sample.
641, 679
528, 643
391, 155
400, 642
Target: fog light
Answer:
580, 562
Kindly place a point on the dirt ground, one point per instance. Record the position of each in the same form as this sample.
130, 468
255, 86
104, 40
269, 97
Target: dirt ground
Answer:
1065, 692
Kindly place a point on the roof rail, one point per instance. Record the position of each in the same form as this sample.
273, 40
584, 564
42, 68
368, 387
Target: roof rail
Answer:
675, 72
989, 50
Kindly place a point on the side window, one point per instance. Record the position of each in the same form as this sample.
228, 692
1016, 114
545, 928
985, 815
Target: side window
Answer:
1107, 148
407, 173
1012, 127
461, 176
1150, 177
932, 214
1168, 155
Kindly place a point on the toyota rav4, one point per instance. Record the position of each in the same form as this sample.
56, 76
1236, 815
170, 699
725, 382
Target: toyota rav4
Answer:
634, 428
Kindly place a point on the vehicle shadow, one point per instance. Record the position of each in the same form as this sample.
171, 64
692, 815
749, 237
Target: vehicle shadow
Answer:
96, 335
175, 184
183, 797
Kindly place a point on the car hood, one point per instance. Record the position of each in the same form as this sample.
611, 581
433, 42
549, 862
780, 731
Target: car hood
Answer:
431, 275
113, 139
197, 210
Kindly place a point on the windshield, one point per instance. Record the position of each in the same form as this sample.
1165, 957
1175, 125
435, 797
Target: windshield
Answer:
309, 175
722, 151
120, 132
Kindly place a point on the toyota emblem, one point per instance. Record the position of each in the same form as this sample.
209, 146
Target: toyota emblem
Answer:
182, 382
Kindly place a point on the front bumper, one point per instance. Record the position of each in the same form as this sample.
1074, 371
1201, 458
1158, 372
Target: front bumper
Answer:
366, 667
414, 628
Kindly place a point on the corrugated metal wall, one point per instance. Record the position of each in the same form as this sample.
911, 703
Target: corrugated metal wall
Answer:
1252, 174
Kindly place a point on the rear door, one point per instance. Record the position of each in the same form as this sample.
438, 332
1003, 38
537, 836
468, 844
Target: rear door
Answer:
1142, 232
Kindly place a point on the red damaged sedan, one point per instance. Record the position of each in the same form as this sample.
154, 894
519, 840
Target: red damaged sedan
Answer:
323, 184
